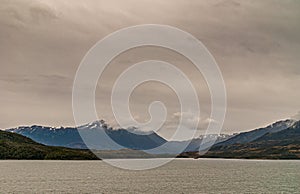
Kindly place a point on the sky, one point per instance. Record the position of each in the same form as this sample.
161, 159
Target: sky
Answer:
255, 43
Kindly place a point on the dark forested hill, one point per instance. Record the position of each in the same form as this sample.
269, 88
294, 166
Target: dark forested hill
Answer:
15, 146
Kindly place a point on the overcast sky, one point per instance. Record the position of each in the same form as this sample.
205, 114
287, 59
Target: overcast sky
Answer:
255, 43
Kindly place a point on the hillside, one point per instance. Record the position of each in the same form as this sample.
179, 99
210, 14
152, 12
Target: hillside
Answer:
94, 133
250, 136
283, 144
15, 146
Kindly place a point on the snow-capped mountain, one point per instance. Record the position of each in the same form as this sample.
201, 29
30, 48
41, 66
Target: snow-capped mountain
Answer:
278, 143
250, 136
70, 137
95, 134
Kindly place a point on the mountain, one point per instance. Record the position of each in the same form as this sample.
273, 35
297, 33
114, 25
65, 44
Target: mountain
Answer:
250, 136
65, 137
177, 147
15, 146
275, 144
278, 140
94, 133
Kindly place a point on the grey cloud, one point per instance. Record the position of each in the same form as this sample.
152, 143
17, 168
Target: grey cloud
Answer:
256, 44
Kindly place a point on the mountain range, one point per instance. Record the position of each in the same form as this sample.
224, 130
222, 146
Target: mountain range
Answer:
17, 147
280, 140
280, 137
125, 138
250, 136
70, 137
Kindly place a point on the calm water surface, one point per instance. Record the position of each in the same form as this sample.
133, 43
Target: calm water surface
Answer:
179, 176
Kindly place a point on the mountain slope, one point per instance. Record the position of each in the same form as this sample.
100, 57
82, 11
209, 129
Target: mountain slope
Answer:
176, 147
284, 144
66, 137
250, 136
94, 134
15, 146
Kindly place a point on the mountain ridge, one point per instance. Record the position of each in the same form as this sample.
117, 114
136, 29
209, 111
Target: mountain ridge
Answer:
251, 135
149, 141
276, 144
70, 137
125, 138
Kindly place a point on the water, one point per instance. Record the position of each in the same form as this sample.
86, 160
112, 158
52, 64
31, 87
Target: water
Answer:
179, 176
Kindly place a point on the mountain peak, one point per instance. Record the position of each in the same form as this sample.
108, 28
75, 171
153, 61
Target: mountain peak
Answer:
72, 136
250, 136
95, 124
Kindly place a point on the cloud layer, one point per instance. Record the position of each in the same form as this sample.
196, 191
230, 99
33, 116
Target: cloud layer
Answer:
256, 44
